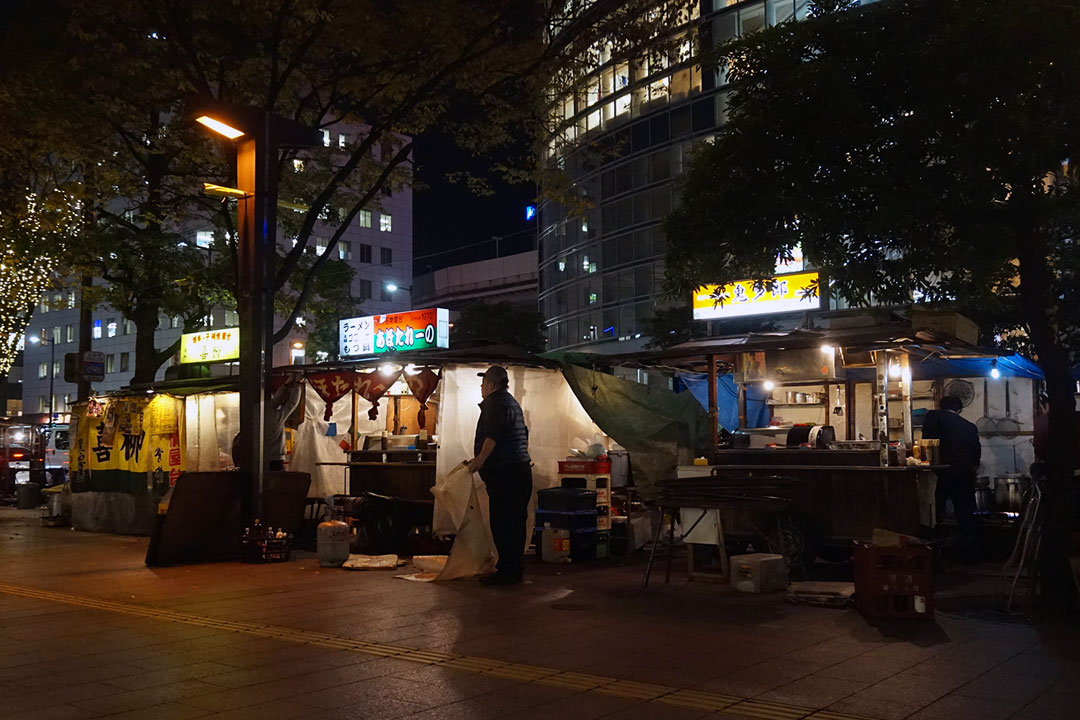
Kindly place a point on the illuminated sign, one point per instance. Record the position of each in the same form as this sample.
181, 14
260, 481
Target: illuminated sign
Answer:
207, 346
790, 293
530, 212
396, 332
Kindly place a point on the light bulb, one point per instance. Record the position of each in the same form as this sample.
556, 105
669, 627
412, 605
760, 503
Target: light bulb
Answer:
768, 385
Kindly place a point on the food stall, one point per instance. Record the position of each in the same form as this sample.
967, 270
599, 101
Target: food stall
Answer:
837, 405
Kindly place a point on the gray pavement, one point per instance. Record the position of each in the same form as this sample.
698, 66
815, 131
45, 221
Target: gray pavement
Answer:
87, 631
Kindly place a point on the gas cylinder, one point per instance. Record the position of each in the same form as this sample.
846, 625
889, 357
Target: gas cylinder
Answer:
334, 538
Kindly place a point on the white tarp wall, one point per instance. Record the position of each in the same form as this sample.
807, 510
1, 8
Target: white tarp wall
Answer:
211, 421
553, 414
313, 445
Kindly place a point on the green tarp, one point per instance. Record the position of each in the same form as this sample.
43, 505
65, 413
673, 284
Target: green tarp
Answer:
653, 423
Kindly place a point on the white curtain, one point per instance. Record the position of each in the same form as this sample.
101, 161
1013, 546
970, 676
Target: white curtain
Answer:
553, 414
313, 445
211, 420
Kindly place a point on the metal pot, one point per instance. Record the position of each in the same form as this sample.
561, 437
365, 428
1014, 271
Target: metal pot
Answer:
984, 499
1009, 492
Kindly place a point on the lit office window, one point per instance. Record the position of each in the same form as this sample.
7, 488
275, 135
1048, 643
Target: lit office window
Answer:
365, 218
43, 370
128, 327
71, 298
110, 363
320, 245
97, 330
43, 403
56, 370
55, 335
341, 141
111, 328
385, 223
344, 250
204, 238
174, 321
69, 333
298, 165
326, 138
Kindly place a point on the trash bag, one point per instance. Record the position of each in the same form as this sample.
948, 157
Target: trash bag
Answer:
473, 552
451, 493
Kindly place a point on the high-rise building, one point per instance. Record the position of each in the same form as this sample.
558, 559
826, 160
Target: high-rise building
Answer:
377, 244
623, 136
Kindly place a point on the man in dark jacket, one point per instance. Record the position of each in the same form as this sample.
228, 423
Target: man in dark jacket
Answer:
501, 456
961, 452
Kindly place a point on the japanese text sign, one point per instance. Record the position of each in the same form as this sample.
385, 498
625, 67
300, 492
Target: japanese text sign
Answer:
396, 332
789, 293
207, 346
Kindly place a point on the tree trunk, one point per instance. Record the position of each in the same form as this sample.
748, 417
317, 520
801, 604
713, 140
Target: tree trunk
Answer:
147, 359
1036, 284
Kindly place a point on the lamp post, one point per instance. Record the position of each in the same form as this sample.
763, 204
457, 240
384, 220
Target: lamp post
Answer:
52, 363
392, 287
258, 136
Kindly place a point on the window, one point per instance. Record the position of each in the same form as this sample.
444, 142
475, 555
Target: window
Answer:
365, 253
386, 256
43, 370
55, 335
341, 141
387, 191
56, 370
174, 322
365, 218
365, 289
43, 403
232, 318
71, 298
125, 359
111, 327
385, 223
69, 333
128, 327
204, 238
326, 138
298, 165
321, 244
43, 306
63, 437
110, 363
344, 250
97, 329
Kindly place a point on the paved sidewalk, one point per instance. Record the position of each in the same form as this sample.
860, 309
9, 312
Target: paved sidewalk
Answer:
87, 631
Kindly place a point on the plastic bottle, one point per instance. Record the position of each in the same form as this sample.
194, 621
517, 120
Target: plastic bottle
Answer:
554, 545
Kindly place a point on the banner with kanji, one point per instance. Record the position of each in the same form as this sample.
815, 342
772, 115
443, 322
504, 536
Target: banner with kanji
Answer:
131, 445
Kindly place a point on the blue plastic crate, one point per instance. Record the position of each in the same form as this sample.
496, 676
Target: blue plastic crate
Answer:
562, 499
575, 520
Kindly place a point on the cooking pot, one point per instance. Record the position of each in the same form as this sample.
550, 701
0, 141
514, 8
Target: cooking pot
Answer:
1009, 492
816, 436
984, 499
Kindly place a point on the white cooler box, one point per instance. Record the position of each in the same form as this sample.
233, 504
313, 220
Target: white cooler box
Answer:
758, 573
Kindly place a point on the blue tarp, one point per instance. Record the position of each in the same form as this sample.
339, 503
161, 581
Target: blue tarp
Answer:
727, 399
932, 368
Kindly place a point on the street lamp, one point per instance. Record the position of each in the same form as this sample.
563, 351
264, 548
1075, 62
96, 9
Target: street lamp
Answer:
393, 287
258, 136
52, 364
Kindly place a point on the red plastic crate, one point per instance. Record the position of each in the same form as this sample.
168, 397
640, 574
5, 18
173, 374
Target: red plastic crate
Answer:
894, 582
585, 467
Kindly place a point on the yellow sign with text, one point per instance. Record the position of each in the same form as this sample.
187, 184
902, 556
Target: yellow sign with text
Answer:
789, 293
209, 346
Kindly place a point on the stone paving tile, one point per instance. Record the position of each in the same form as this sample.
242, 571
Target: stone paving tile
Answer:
52, 712
139, 680
583, 706
814, 691
123, 700
375, 708
1051, 706
656, 711
167, 711
60, 694
756, 679
960, 707
278, 710
1005, 685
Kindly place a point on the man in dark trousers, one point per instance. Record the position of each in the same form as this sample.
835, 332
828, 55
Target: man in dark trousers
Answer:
961, 452
501, 456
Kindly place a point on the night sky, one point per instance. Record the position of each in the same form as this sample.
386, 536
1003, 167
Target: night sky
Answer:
449, 220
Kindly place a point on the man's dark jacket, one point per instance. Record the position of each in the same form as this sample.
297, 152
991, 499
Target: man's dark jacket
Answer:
961, 449
501, 420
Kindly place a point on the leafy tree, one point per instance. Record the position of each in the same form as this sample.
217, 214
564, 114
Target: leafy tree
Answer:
383, 71
910, 146
500, 323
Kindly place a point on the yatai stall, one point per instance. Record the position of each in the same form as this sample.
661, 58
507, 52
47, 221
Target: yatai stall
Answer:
837, 407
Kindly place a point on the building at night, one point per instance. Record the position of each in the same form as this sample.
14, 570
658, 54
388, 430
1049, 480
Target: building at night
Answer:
377, 245
622, 138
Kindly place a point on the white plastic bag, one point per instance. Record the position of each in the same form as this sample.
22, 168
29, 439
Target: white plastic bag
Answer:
473, 552
451, 493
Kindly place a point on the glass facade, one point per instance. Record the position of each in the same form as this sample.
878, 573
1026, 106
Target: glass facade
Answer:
621, 138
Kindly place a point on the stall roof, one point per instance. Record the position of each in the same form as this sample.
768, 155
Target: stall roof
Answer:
479, 354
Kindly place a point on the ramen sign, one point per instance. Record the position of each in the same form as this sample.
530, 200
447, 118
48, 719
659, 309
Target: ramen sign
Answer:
395, 332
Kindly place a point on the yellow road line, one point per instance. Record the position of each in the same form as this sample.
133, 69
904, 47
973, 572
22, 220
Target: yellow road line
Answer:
647, 692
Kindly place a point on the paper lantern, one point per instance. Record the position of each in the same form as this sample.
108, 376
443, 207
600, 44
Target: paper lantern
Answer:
373, 385
422, 384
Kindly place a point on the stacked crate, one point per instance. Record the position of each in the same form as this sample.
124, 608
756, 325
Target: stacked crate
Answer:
594, 475
894, 582
571, 509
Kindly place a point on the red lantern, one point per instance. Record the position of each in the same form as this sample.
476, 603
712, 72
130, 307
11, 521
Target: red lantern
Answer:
422, 385
373, 385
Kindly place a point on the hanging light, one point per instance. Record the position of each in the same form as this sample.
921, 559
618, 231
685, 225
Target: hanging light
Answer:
994, 372
768, 385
